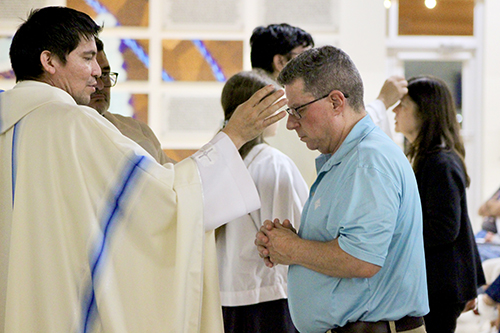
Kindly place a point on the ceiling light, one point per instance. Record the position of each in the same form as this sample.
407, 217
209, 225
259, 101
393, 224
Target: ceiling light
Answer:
430, 4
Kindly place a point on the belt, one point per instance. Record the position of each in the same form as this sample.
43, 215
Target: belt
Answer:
404, 324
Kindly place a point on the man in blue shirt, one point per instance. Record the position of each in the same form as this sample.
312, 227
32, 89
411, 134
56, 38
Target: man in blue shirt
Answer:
357, 263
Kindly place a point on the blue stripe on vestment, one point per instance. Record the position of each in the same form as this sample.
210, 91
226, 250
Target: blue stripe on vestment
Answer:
1, 113
129, 179
14, 162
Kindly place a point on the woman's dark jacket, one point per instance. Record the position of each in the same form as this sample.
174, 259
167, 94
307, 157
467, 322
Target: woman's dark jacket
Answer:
454, 270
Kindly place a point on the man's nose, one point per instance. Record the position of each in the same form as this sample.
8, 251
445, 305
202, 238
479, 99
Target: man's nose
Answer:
96, 69
100, 83
291, 122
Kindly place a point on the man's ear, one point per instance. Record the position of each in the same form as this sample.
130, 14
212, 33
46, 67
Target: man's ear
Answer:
338, 101
279, 62
49, 61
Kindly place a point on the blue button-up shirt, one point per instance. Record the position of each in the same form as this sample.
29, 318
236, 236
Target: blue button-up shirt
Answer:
366, 196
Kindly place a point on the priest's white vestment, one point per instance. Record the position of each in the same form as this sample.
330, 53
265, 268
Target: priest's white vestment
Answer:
95, 236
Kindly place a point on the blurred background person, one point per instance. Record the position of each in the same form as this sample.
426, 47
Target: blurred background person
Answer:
254, 297
273, 46
427, 118
488, 239
490, 211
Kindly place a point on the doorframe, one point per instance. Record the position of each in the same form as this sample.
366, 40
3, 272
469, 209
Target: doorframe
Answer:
469, 51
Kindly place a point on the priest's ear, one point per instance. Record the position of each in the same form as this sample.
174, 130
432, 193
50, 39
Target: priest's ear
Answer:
49, 61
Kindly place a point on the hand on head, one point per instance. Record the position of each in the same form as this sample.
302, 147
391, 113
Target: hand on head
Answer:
253, 116
394, 88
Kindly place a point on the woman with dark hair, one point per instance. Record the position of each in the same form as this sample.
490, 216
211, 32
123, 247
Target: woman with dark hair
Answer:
427, 118
254, 297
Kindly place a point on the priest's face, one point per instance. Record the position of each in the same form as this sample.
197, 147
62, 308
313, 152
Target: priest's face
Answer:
101, 98
78, 76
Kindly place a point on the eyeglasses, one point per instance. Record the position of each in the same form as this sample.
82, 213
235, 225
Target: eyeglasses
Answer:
295, 111
109, 79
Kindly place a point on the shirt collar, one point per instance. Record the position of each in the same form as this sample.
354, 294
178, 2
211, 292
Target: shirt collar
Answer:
361, 129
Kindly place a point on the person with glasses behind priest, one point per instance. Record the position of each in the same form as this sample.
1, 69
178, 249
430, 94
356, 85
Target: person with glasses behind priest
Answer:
357, 262
132, 128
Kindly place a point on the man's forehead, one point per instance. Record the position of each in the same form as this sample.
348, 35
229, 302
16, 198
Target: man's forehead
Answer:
295, 85
295, 91
86, 46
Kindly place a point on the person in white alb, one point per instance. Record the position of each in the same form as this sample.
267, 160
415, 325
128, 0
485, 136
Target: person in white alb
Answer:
95, 235
254, 298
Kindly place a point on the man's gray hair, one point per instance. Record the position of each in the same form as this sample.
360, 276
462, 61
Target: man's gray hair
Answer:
325, 69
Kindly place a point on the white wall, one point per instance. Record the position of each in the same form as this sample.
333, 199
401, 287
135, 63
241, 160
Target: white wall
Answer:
491, 92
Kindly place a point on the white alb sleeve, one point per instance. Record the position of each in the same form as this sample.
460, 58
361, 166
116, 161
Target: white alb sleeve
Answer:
228, 189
